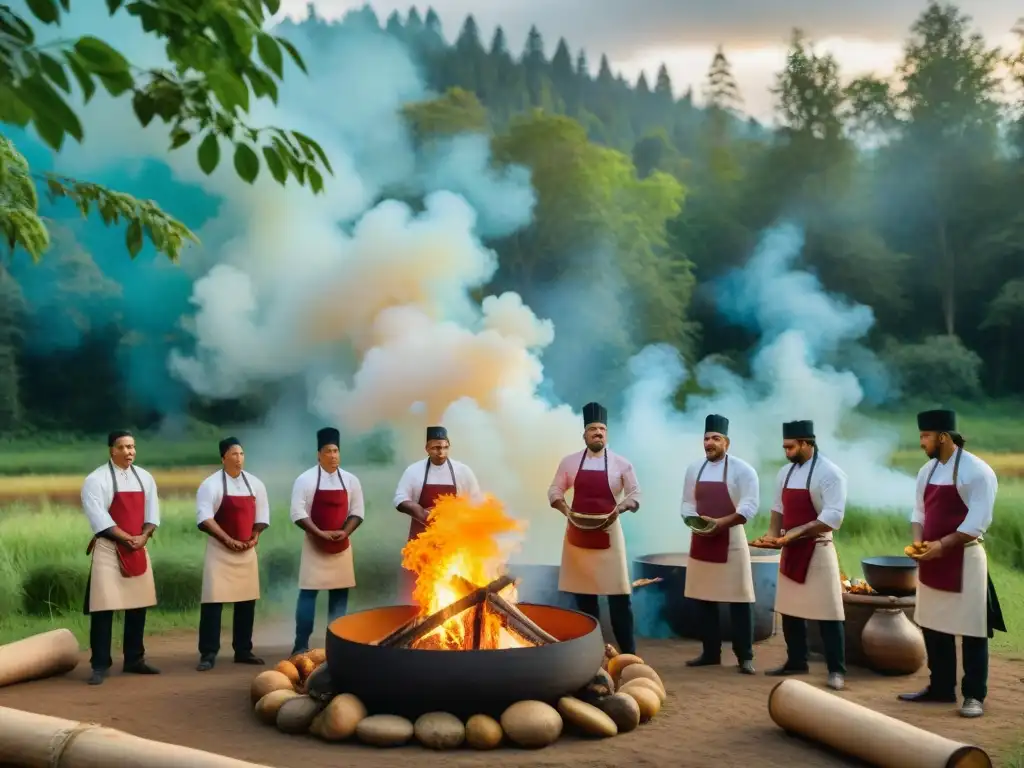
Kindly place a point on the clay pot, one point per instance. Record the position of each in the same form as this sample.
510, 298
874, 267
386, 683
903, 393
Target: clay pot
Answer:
892, 643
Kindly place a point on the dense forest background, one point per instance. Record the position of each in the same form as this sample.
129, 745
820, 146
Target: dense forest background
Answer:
908, 191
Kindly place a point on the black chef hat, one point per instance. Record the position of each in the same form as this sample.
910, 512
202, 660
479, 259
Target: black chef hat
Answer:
327, 436
227, 443
116, 435
436, 433
594, 413
936, 421
715, 423
798, 430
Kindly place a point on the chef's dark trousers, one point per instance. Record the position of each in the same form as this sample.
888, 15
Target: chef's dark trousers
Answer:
941, 650
305, 613
620, 613
101, 628
833, 638
210, 615
741, 620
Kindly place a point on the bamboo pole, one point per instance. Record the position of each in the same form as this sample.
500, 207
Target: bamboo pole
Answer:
28, 740
45, 655
860, 732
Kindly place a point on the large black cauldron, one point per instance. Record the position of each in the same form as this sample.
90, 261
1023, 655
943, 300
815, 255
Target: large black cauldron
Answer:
410, 682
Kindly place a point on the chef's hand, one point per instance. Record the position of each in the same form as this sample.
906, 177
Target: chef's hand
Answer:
932, 550
339, 535
136, 542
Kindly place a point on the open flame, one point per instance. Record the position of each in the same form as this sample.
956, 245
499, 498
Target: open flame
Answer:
464, 547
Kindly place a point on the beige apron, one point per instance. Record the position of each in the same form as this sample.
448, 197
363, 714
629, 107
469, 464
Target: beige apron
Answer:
229, 576
109, 590
728, 582
963, 613
596, 571
820, 597
325, 570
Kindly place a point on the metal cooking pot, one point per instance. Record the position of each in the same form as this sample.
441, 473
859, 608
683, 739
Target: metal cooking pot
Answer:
891, 575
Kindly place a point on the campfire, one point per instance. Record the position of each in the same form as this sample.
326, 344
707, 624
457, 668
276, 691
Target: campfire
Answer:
525, 673
466, 600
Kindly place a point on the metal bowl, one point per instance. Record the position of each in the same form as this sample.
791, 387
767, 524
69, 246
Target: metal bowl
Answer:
587, 522
891, 575
410, 682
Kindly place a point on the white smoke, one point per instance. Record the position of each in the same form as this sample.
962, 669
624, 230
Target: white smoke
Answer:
368, 306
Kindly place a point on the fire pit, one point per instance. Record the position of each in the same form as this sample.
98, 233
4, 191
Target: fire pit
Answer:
395, 661
467, 664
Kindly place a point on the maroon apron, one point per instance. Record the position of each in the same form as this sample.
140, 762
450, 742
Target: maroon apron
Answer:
128, 511
944, 512
237, 514
713, 501
797, 510
591, 495
429, 495
329, 511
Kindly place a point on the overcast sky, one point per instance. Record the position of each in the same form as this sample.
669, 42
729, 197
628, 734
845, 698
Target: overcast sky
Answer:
637, 35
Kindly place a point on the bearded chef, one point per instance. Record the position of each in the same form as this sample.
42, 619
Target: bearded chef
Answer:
956, 492
594, 556
724, 491
422, 484
810, 503
233, 510
327, 503
121, 504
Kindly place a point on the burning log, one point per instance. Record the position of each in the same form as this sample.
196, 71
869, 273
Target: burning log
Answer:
518, 621
409, 633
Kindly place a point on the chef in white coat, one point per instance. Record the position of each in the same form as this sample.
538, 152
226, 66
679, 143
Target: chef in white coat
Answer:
422, 484
723, 490
327, 503
810, 503
594, 563
232, 508
956, 494
120, 502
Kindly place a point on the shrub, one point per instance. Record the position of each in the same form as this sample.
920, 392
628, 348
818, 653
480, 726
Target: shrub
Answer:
940, 367
55, 588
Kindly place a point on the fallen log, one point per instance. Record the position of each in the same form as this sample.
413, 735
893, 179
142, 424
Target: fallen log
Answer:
45, 655
28, 740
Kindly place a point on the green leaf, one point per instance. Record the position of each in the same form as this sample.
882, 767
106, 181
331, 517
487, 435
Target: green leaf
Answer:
81, 75
309, 143
50, 132
144, 107
44, 10
293, 53
208, 153
230, 91
316, 181
53, 70
262, 84
46, 102
277, 169
12, 109
273, 6
113, 5
179, 138
116, 83
133, 238
99, 56
15, 27
247, 164
270, 53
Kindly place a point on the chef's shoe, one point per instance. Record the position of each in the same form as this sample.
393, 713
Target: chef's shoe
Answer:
786, 670
704, 661
836, 682
746, 667
206, 663
98, 676
141, 668
927, 696
972, 708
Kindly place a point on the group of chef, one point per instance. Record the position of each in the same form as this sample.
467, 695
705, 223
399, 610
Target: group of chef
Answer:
953, 508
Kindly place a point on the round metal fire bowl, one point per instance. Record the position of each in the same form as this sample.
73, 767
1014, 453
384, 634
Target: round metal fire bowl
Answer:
410, 682
891, 575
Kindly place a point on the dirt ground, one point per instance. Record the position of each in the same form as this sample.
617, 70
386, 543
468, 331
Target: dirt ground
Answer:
712, 715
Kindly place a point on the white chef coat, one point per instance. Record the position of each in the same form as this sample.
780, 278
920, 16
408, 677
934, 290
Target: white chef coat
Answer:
305, 486
211, 494
98, 494
411, 483
975, 482
743, 485
828, 489
621, 475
